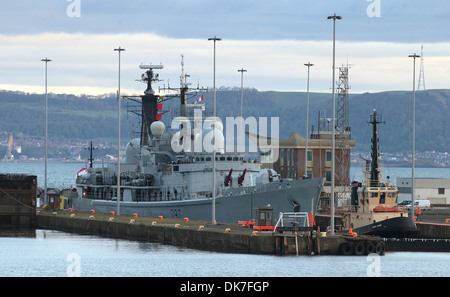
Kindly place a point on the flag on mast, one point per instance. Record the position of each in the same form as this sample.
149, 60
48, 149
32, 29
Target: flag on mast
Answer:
83, 170
202, 98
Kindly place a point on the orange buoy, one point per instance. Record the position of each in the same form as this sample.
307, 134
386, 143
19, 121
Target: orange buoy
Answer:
350, 231
160, 217
186, 219
112, 213
135, 215
70, 209
447, 220
354, 234
92, 211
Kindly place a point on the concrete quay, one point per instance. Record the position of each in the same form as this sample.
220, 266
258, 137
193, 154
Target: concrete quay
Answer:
224, 238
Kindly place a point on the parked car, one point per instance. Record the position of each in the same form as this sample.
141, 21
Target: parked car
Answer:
404, 203
422, 203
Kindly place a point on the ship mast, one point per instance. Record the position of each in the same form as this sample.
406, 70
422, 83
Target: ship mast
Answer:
375, 119
149, 101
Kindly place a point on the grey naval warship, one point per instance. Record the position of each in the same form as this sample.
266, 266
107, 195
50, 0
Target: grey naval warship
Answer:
156, 180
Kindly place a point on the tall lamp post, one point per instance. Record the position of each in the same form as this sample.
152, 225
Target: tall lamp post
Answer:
242, 106
414, 56
213, 211
307, 114
46, 60
118, 139
333, 124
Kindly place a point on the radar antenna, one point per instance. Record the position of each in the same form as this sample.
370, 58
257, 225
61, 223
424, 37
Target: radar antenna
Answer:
150, 77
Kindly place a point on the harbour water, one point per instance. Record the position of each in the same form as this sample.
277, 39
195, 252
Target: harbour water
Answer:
53, 253
58, 254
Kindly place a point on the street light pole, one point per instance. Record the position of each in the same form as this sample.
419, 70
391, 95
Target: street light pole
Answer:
213, 211
118, 139
333, 124
413, 133
242, 108
46, 60
307, 115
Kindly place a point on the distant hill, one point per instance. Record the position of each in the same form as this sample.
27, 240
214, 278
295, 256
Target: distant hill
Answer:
95, 118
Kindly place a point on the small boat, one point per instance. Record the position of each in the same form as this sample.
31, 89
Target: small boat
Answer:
373, 209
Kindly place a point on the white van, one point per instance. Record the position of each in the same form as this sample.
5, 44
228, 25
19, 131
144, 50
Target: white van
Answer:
423, 203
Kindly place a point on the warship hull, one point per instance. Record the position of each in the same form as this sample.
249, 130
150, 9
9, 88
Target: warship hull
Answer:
285, 196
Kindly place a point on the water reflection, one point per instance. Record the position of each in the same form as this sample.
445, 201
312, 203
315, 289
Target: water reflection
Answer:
17, 232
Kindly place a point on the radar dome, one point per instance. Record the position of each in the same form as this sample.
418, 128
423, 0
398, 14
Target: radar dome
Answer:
157, 128
132, 151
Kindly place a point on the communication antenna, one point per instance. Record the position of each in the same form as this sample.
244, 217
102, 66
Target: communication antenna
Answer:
150, 77
421, 74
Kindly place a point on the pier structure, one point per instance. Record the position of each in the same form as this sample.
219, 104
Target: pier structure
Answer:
18, 200
233, 238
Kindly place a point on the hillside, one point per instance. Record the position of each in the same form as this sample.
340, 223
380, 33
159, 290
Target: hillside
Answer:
95, 118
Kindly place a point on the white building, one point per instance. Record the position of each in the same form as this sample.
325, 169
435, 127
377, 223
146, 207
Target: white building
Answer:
437, 190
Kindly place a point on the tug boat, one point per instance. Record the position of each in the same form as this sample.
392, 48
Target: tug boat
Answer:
373, 209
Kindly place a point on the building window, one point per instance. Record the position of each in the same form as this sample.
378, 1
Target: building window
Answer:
328, 176
328, 156
441, 191
288, 157
309, 156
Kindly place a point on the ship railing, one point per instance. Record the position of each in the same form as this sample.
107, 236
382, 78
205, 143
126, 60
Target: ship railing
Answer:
350, 208
295, 219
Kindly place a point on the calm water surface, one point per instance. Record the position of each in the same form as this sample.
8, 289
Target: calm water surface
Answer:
54, 254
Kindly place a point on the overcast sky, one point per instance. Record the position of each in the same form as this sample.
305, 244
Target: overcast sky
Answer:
271, 39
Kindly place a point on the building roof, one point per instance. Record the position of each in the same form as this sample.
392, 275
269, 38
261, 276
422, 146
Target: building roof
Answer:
297, 141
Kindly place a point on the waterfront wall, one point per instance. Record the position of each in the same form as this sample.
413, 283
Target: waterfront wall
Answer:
189, 237
18, 200
211, 238
433, 231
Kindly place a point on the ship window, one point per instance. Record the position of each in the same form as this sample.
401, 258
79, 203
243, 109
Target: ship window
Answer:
373, 194
229, 158
382, 197
176, 168
208, 159
441, 191
222, 158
